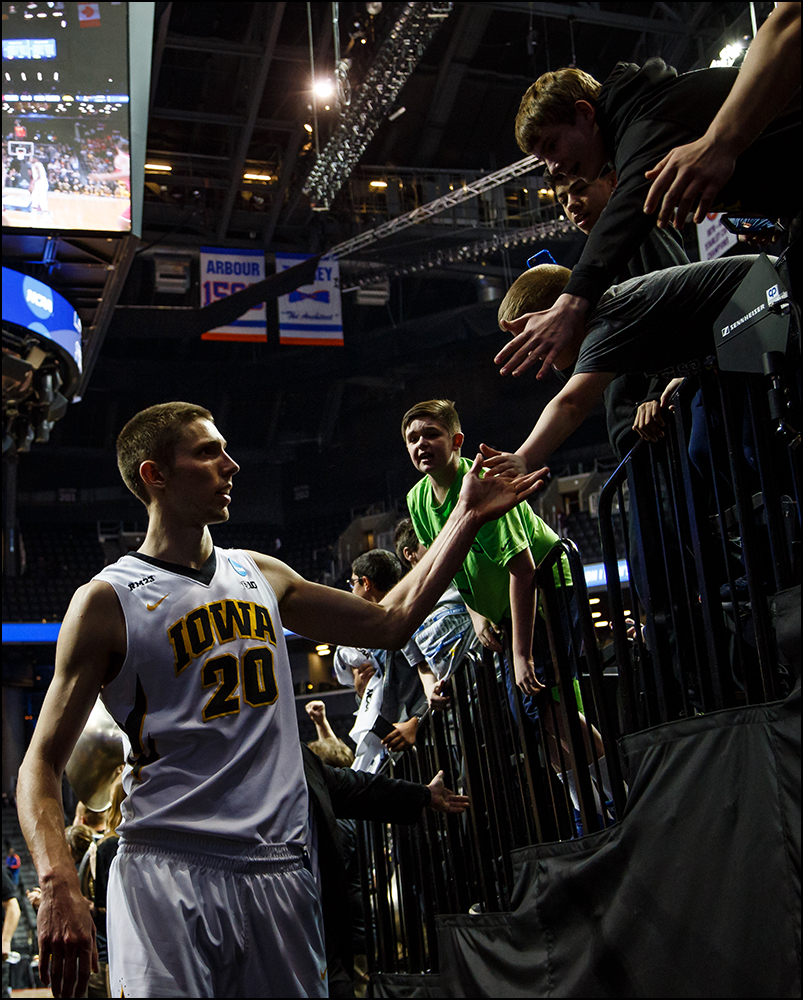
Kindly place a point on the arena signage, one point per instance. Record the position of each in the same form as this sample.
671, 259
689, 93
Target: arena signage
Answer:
37, 307
311, 314
224, 272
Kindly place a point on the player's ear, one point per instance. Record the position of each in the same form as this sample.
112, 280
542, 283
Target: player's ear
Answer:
457, 443
152, 475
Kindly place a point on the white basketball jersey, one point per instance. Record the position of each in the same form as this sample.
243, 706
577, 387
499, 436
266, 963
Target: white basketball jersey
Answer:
206, 700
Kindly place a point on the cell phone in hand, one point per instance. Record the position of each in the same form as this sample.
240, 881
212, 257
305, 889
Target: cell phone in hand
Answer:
748, 225
382, 728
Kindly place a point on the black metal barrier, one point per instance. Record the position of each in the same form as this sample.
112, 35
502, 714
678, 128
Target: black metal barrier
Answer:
530, 780
712, 516
711, 522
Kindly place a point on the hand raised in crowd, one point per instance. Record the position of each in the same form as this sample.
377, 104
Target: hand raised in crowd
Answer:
444, 799
316, 710
403, 735
688, 175
492, 496
502, 463
551, 337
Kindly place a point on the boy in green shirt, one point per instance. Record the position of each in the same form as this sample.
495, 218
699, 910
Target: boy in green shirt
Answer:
497, 579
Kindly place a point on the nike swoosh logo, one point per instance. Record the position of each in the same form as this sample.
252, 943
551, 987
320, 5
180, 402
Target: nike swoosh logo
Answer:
153, 607
323, 974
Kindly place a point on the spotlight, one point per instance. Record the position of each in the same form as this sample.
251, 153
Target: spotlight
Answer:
408, 38
729, 54
324, 88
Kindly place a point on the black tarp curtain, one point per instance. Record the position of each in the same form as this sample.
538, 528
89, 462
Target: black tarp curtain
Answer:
695, 893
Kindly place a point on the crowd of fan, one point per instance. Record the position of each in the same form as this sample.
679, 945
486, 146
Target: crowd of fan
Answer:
69, 166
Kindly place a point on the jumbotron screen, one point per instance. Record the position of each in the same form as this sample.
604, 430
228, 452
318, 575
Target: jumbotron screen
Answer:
66, 123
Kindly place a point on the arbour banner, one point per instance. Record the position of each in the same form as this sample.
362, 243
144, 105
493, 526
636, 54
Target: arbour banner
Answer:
311, 314
224, 272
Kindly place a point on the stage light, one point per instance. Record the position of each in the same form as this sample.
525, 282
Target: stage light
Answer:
394, 63
308, 127
158, 168
324, 88
601, 624
378, 184
729, 54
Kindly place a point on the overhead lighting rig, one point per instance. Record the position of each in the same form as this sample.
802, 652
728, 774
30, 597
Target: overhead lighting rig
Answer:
397, 58
477, 250
526, 165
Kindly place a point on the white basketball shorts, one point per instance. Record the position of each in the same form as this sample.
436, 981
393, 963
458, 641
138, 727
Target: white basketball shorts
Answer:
196, 917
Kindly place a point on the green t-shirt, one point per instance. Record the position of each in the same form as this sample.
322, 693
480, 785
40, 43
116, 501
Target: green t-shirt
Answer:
483, 581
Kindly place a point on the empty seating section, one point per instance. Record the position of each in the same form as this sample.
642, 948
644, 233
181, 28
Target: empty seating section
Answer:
57, 559
583, 529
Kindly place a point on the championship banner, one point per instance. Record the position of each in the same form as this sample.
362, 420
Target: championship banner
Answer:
225, 272
713, 238
311, 314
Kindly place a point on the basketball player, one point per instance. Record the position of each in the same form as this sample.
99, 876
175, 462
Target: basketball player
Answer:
211, 893
121, 173
39, 185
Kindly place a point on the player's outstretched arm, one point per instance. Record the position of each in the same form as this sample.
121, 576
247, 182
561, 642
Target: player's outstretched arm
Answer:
91, 642
325, 613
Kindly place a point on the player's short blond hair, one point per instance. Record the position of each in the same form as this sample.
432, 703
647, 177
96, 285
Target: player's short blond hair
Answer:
533, 291
152, 435
550, 101
441, 410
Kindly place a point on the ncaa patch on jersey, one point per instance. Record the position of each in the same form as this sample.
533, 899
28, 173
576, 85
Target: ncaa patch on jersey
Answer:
237, 567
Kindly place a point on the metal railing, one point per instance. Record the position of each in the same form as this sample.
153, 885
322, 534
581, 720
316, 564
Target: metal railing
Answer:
528, 781
712, 558
713, 522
